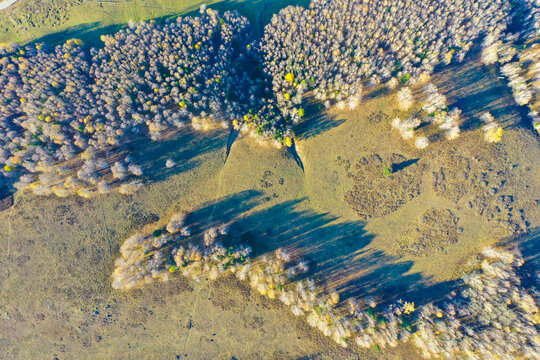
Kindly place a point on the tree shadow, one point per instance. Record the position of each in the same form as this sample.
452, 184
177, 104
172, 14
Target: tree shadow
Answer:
233, 135
338, 252
529, 244
476, 88
6, 198
185, 147
259, 12
294, 153
90, 33
316, 121
402, 165
376, 92
223, 210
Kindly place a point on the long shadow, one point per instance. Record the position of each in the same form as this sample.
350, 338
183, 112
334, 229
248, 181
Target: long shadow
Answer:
223, 210
315, 122
186, 148
529, 244
294, 153
337, 251
233, 134
90, 33
6, 197
379, 91
476, 88
402, 165
339, 254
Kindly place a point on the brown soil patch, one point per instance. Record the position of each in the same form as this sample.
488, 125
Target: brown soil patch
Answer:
383, 183
435, 229
486, 180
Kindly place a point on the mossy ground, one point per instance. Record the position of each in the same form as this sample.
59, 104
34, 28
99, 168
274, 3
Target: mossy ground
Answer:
58, 254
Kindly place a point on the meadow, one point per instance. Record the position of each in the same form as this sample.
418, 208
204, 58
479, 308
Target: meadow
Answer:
55, 21
374, 216
60, 252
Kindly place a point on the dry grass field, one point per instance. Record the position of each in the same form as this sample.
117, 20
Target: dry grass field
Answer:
401, 235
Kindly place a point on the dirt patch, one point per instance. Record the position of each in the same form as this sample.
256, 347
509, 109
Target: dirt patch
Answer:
500, 209
377, 118
484, 180
265, 183
142, 218
461, 175
454, 181
435, 229
253, 322
382, 183
229, 293
65, 215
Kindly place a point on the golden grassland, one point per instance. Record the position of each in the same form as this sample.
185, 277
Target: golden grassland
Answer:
58, 254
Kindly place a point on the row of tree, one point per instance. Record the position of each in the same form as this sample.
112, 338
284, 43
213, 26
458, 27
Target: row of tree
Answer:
151, 78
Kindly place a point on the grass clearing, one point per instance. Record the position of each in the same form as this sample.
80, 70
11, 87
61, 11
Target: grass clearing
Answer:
55, 21
60, 252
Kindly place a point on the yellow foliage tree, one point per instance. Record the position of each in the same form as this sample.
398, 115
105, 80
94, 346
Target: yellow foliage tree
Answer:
287, 142
289, 77
493, 134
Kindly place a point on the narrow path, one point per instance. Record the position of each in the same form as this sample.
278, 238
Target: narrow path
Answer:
232, 136
10, 230
103, 233
230, 141
193, 310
